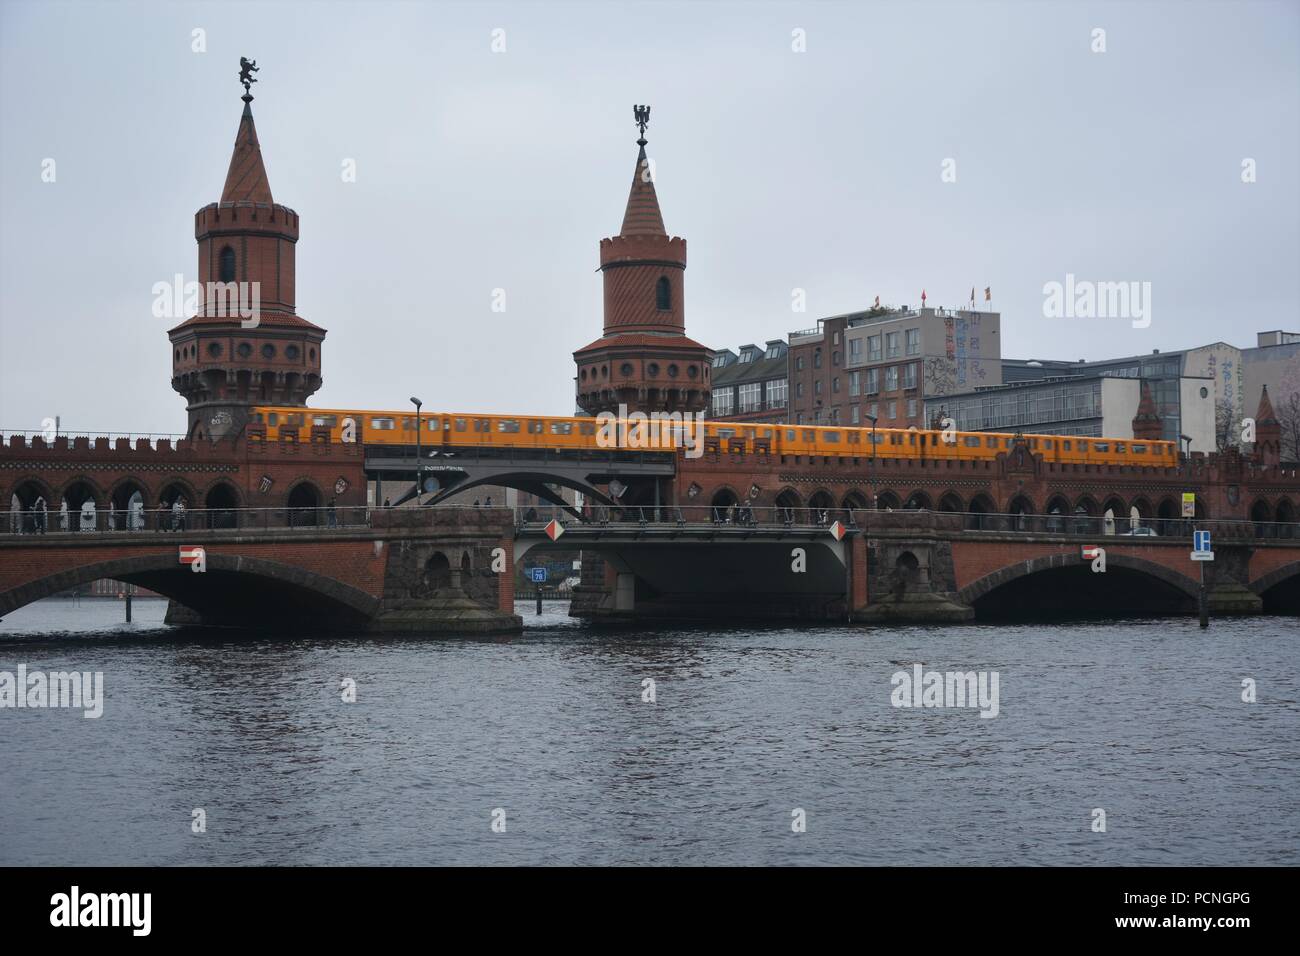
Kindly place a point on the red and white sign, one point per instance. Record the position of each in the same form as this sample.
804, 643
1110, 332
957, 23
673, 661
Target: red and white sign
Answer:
195, 557
1092, 551
554, 530
838, 531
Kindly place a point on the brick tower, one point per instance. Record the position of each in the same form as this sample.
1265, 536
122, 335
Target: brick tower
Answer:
1268, 432
644, 359
225, 360
1146, 423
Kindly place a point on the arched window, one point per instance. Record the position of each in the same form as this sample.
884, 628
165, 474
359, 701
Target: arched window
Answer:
226, 265
663, 295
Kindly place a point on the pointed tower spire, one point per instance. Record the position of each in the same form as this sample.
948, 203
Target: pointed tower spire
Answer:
1146, 423
1268, 432
642, 217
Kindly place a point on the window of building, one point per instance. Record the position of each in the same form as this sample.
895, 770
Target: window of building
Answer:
891, 410
835, 384
855, 382
835, 358
817, 358
723, 402
798, 389
773, 352
746, 355
873, 381
835, 416
798, 364
891, 378
911, 408
226, 265
817, 387
855, 348
663, 294
720, 360
891, 345
835, 338
776, 393
751, 396
913, 341
909, 375
855, 415
873, 348
874, 410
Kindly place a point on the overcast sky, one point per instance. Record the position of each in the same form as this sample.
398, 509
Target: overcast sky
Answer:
477, 170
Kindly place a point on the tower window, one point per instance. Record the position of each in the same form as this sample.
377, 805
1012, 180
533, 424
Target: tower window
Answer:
663, 295
226, 265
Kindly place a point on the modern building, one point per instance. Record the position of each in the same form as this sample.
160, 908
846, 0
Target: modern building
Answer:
1092, 405
883, 363
1275, 363
751, 384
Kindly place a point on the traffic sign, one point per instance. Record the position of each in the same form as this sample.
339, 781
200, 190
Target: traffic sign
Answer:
554, 529
838, 531
1201, 541
1202, 555
538, 575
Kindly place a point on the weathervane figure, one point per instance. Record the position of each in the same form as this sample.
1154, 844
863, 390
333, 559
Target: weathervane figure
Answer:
247, 68
642, 115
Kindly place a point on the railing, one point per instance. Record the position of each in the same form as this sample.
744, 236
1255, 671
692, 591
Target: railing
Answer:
731, 516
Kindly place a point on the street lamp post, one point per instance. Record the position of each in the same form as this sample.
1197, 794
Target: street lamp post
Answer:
872, 419
419, 461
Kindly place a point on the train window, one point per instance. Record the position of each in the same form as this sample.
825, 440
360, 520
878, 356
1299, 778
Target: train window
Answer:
561, 428
1047, 443
587, 428
911, 438
877, 438
327, 420
460, 424
273, 418
508, 425
1033, 443
294, 419
383, 424
853, 438
431, 424
257, 416
536, 428
1101, 446
1066, 444
831, 438
726, 433
749, 433
482, 425
809, 435
895, 439
408, 423
765, 433
1120, 448
991, 442
1139, 449
789, 434
1083, 446
971, 441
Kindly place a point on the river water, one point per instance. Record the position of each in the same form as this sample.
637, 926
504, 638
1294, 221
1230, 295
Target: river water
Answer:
549, 734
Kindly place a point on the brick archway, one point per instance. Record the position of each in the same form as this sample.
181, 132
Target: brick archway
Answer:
1276, 577
164, 574
1012, 572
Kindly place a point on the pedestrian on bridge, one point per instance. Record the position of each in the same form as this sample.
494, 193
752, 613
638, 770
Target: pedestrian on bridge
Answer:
38, 514
331, 515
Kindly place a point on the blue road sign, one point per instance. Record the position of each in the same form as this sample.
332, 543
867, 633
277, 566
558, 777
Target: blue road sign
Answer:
538, 575
1201, 541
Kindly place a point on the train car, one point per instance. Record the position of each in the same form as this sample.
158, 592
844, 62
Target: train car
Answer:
558, 433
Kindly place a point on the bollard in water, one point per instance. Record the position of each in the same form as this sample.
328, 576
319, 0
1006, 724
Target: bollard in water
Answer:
539, 600
128, 607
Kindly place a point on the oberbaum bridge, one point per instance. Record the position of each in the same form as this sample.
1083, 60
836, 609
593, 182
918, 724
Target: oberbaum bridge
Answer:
822, 539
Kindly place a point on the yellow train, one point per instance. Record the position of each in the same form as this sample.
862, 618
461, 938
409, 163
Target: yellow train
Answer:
450, 430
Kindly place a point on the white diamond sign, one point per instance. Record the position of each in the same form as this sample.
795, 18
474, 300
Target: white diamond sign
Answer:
838, 531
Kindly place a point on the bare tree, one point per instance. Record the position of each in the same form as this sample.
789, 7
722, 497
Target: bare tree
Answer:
1288, 415
1226, 431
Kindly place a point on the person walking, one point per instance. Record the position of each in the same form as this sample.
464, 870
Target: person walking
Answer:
332, 515
38, 514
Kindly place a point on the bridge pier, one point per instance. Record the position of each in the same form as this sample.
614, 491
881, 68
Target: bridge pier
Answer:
910, 580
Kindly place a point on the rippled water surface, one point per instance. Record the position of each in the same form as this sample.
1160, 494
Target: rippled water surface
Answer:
1143, 719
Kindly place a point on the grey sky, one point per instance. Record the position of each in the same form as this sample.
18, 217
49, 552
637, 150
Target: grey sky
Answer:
816, 170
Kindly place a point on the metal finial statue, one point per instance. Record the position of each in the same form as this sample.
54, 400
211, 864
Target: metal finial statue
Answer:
247, 68
642, 115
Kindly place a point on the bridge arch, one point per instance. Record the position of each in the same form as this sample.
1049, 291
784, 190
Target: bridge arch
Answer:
270, 592
789, 500
1150, 586
80, 500
887, 501
1280, 589
302, 501
854, 500
1261, 510
221, 500
980, 507
128, 499
174, 488
919, 501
